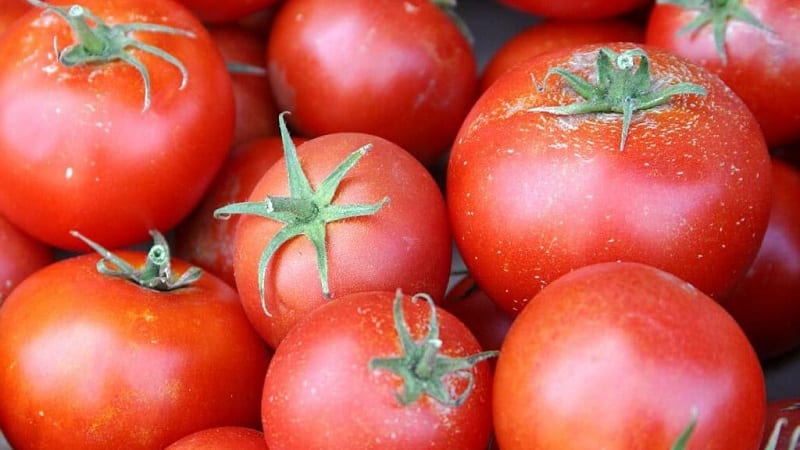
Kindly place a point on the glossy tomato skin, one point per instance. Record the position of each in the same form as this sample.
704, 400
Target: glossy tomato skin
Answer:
766, 302
485, 319
762, 67
583, 10
319, 392
209, 242
90, 361
399, 70
638, 344
551, 35
20, 256
406, 244
222, 438
77, 150
533, 195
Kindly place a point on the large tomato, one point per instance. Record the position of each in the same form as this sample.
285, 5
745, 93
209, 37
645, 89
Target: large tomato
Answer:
401, 70
766, 303
312, 231
20, 256
620, 356
753, 45
94, 361
87, 146
684, 185
577, 10
370, 372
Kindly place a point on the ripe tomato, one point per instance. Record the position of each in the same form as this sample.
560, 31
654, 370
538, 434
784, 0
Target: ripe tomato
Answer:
485, 319
89, 360
782, 431
583, 10
328, 385
222, 438
617, 356
208, 242
759, 58
304, 254
767, 301
533, 194
552, 35
80, 147
243, 52
399, 70
20, 256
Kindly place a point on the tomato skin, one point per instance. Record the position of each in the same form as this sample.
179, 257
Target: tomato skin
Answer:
76, 145
319, 392
636, 344
556, 190
208, 242
399, 70
755, 59
222, 438
90, 361
785, 408
583, 10
485, 319
10, 11
216, 12
406, 244
552, 35
21, 255
766, 302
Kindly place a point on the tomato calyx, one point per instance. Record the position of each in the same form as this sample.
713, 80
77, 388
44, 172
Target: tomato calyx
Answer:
774, 437
716, 13
240, 68
683, 439
622, 87
421, 366
103, 43
305, 212
156, 273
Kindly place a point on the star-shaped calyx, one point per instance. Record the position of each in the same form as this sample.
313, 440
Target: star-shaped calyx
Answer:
421, 366
103, 43
305, 212
622, 87
716, 13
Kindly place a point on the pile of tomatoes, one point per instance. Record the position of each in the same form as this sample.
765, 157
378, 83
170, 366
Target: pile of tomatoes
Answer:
308, 224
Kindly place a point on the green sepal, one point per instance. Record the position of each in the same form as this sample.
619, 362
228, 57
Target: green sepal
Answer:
103, 43
421, 366
305, 212
622, 87
683, 439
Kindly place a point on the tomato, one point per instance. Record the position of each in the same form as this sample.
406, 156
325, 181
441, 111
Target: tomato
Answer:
380, 373
208, 242
767, 301
552, 35
484, 318
86, 146
583, 10
533, 194
399, 70
357, 214
10, 11
94, 360
222, 438
243, 51
782, 425
20, 256
617, 356
753, 45
216, 12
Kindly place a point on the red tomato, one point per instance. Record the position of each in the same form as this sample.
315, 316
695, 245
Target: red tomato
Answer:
203, 240
20, 256
759, 60
484, 318
216, 11
583, 10
79, 146
556, 35
399, 70
222, 438
404, 243
533, 194
89, 360
10, 11
255, 110
767, 302
617, 356
782, 431
324, 388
